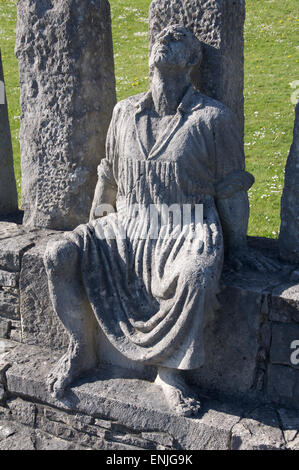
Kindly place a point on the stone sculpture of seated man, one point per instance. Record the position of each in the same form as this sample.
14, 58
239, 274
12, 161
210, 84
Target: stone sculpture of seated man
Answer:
152, 296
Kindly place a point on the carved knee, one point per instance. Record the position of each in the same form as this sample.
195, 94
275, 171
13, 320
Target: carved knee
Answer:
60, 256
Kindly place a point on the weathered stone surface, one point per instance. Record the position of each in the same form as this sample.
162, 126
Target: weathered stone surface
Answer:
5, 327
259, 430
16, 331
10, 230
2, 393
8, 189
290, 425
22, 411
130, 409
294, 444
14, 241
284, 306
283, 336
138, 405
289, 420
226, 371
9, 303
219, 26
44, 441
232, 344
283, 385
67, 96
40, 324
14, 436
289, 231
8, 279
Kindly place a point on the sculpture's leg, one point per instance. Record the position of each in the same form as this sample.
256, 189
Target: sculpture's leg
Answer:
177, 393
73, 309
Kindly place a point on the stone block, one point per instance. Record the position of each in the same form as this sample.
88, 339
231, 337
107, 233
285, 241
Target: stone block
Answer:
283, 336
40, 324
16, 331
2, 393
22, 411
283, 385
289, 419
289, 230
232, 344
8, 188
135, 413
14, 241
5, 328
138, 405
10, 230
259, 430
8, 279
284, 306
219, 26
9, 303
67, 82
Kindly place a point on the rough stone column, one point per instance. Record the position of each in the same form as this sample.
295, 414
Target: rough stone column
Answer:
8, 189
219, 24
65, 54
289, 231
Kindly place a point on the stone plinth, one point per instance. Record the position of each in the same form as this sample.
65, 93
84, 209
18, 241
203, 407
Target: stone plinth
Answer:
289, 231
219, 26
111, 409
14, 242
67, 84
8, 188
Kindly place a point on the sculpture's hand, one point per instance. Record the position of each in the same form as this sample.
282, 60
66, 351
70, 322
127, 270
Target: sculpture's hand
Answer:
253, 259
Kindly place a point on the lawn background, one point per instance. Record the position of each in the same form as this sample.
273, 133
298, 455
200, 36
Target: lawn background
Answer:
271, 65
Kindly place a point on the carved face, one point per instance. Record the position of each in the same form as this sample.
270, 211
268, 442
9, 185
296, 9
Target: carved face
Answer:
172, 49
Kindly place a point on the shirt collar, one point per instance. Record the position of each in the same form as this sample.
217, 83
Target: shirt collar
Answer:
192, 100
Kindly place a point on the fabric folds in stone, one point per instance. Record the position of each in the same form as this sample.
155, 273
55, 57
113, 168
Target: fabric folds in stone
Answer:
154, 293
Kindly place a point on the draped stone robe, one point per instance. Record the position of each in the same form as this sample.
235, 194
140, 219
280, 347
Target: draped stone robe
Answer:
153, 296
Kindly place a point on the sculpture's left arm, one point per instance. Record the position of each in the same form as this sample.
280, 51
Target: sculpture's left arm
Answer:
104, 201
234, 216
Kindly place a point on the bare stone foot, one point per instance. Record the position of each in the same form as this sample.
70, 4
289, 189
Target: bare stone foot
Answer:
69, 367
178, 395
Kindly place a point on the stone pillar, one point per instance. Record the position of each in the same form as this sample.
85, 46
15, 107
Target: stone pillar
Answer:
219, 25
8, 189
65, 54
289, 231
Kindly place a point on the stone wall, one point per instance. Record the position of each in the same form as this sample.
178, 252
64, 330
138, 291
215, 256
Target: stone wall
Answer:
109, 410
15, 242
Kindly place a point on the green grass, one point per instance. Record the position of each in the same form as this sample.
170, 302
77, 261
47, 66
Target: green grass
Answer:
11, 77
271, 64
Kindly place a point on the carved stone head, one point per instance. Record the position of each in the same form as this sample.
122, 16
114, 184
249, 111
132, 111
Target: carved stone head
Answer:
176, 48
